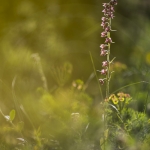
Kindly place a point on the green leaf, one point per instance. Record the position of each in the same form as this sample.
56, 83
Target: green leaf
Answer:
12, 115
106, 134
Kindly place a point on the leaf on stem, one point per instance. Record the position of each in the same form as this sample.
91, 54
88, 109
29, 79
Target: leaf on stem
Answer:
12, 115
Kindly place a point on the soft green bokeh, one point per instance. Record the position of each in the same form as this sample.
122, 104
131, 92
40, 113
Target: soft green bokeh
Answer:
46, 74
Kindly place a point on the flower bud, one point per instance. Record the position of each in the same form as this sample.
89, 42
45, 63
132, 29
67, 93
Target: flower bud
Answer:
104, 34
103, 52
101, 81
103, 46
105, 63
108, 40
104, 71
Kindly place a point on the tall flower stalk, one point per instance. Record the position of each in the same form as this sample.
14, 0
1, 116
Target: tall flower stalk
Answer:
105, 51
105, 48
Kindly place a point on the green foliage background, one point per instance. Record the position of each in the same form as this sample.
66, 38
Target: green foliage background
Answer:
44, 49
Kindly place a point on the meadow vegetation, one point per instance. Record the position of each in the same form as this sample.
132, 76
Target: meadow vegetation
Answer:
51, 95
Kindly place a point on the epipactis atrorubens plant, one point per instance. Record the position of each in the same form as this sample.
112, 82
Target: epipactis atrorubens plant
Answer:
105, 48
105, 51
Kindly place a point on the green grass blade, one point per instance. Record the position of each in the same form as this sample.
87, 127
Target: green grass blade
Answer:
100, 89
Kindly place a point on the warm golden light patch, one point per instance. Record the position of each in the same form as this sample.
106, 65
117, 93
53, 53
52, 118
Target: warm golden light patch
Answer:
147, 58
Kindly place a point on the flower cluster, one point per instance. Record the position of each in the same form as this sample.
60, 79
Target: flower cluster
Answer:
119, 97
106, 25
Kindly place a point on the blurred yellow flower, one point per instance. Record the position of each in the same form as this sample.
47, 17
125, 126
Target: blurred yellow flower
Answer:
115, 100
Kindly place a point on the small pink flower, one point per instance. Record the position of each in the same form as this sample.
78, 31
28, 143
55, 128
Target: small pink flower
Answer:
113, 2
107, 29
112, 9
105, 63
103, 24
103, 52
111, 15
105, 5
104, 71
104, 11
103, 46
104, 34
101, 81
108, 40
104, 19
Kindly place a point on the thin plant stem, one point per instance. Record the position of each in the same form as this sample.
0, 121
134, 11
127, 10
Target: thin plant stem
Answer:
128, 85
100, 89
107, 87
108, 68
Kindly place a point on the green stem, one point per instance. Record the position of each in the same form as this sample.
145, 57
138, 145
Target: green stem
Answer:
108, 71
108, 68
130, 85
107, 86
100, 89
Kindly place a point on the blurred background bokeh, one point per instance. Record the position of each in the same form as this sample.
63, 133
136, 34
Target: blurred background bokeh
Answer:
45, 45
